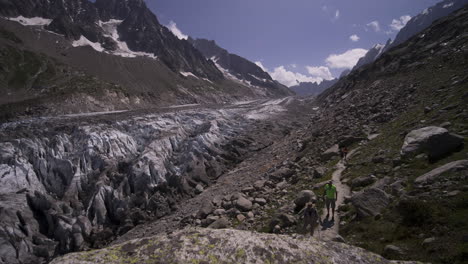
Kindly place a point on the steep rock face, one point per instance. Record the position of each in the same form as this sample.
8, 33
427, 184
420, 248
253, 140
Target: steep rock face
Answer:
227, 246
413, 27
238, 68
426, 18
139, 28
308, 88
371, 55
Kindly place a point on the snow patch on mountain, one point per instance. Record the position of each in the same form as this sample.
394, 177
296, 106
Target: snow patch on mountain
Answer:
83, 41
31, 21
448, 5
187, 74
110, 29
230, 76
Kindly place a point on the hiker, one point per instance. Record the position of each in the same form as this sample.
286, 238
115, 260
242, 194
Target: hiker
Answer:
343, 153
331, 195
311, 217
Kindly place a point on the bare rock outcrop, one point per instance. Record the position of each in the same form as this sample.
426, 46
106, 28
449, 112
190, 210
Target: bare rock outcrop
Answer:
226, 246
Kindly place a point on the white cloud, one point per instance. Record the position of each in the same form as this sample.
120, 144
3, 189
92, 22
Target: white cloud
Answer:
294, 66
399, 23
259, 64
337, 14
374, 25
320, 72
345, 60
290, 78
354, 38
176, 31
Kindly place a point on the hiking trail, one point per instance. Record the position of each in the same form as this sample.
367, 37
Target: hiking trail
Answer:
329, 229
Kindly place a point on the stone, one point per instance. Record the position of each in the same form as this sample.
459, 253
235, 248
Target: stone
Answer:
319, 172
286, 220
240, 217
233, 212
249, 247
363, 181
205, 210
435, 174
248, 189
260, 201
220, 223
199, 189
281, 185
304, 197
333, 151
392, 250
370, 202
219, 212
227, 205
250, 215
217, 201
436, 142
281, 174
259, 184
428, 241
243, 204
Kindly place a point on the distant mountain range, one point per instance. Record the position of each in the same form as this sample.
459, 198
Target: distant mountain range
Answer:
314, 89
238, 68
112, 47
413, 27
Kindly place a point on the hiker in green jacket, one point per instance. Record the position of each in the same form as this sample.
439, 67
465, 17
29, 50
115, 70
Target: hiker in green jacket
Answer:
331, 195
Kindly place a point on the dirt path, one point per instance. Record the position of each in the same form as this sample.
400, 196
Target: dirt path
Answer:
329, 229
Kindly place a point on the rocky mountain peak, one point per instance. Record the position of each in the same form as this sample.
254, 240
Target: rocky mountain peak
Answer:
119, 9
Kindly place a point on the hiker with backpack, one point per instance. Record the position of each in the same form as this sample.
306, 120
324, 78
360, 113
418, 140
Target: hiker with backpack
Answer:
331, 195
311, 217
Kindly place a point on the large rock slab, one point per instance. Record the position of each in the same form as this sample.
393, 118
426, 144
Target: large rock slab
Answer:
370, 202
333, 151
435, 141
304, 197
226, 246
434, 174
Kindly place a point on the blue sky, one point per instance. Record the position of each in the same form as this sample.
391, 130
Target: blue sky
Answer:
292, 39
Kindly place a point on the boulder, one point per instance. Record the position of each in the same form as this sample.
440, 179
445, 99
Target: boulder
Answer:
243, 204
436, 142
199, 189
363, 181
259, 184
283, 220
334, 151
393, 251
434, 174
230, 246
370, 202
220, 223
428, 241
260, 201
319, 172
205, 210
281, 174
304, 197
240, 217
